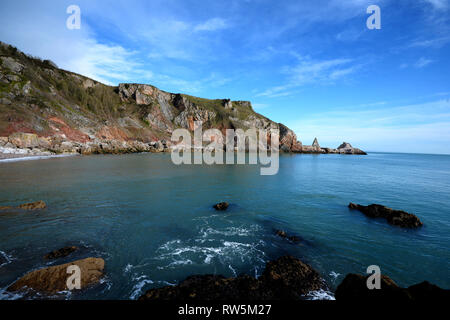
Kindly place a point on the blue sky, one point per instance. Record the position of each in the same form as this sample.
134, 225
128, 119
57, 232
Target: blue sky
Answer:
312, 65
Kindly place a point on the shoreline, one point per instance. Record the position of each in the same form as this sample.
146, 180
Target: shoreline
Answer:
10, 157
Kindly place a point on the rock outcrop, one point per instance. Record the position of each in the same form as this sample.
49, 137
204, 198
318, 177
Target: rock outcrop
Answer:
354, 288
394, 217
221, 206
46, 110
38, 205
314, 148
286, 278
33, 205
54, 279
344, 148
60, 253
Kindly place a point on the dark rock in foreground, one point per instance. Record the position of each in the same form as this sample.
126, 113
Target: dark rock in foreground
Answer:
54, 279
394, 217
354, 288
221, 206
284, 235
60, 253
285, 278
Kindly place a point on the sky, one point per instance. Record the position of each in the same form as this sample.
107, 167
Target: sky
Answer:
312, 65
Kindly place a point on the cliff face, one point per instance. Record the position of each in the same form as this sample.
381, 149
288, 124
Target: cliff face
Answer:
46, 109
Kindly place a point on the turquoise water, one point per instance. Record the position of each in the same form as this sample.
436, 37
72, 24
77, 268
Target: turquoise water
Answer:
153, 223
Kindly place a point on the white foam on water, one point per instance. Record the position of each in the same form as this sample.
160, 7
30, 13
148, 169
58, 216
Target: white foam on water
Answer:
182, 253
230, 231
7, 257
137, 288
108, 283
232, 270
6, 295
37, 157
128, 268
334, 275
320, 295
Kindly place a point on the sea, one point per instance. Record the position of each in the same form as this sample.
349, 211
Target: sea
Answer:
154, 224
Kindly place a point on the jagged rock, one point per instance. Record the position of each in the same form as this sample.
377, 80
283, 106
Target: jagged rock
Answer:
3, 141
88, 83
227, 104
312, 149
6, 208
329, 150
290, 278
54, 279
24, 140
394, 217
11, 64
221, 206
354, 288
26, 88
346, 148
12, 78
315, 143
60, 253
285, 278
126, 113
33, 205
288, 140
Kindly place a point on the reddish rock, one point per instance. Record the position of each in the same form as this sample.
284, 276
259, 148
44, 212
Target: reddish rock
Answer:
33, 205
54, 279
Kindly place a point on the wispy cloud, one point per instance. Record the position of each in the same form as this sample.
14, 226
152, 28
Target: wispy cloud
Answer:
309, 71
431, 43
439, 4
212, 25
422, 62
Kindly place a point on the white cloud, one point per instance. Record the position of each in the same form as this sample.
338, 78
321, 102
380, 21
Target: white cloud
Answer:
431, 43
309, 71
439, 4
212, 25
422, 62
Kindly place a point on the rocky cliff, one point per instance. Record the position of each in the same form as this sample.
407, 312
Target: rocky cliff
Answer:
46, 110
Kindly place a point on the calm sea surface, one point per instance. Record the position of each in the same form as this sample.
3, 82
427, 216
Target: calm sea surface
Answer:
154, 225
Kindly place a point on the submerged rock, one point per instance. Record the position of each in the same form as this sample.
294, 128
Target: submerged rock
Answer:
27, 206
394, 217
221, 206
60, 253
284, 278
284, 235
354, 288
33, 205
54, 279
